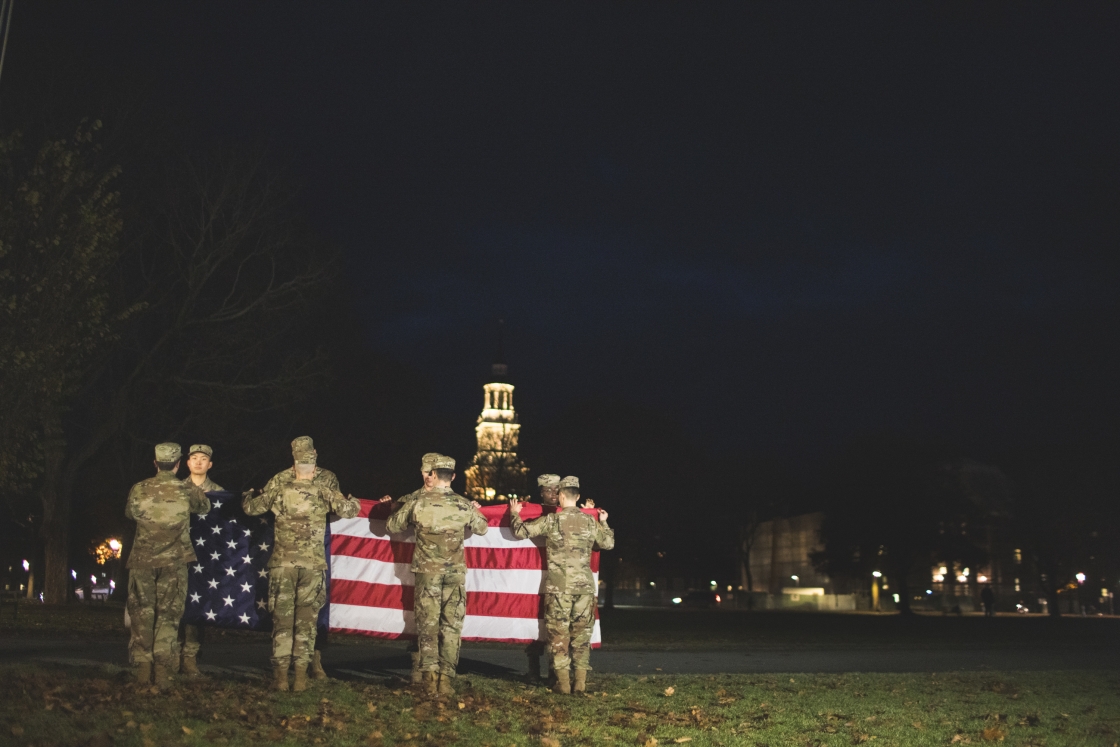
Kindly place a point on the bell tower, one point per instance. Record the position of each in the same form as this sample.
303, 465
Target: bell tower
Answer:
496, 473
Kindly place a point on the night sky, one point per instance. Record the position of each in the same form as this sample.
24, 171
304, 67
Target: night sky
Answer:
786, 228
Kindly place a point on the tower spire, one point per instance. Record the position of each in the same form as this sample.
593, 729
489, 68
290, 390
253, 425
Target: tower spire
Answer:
499, 369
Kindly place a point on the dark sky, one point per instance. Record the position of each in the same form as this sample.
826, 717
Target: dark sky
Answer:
785, 227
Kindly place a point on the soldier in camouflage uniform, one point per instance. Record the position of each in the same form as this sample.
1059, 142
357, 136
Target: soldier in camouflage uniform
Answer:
440, 518
550, 496
570, 591
427, 477
161, 506
199, 461
325, 479
297, 584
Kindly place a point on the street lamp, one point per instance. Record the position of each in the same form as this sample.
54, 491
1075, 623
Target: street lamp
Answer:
796, 580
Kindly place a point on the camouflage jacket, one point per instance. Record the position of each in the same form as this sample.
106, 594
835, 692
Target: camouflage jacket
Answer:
162, 506
323, 478
301, 508
207, 485
440, 517
569, 536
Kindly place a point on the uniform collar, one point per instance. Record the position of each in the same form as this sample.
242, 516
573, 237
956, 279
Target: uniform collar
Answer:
168, 475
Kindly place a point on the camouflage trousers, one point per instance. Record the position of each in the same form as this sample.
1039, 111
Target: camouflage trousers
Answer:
190, 638
439, 606
156, 598
570, 621
295, 596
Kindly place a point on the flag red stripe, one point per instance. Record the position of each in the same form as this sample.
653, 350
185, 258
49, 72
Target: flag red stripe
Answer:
494, 604
371, 595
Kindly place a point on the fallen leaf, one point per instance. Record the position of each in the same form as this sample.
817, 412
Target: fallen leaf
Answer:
549, 742
188, 730
462, 705
17, 731
669, 692
682, 740
651, 742
993, 734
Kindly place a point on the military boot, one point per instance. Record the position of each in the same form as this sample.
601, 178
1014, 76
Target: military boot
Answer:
445, 686
534, 668
143, 672
580, 685
563, 684
189, 667
317, 671
280, 678
161, 674
431, 683
417, 677
299, 683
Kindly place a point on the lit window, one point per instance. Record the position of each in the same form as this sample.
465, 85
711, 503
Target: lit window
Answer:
1018, 556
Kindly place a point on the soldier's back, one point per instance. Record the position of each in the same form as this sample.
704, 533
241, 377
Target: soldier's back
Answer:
161, 508
301, 512
441, 517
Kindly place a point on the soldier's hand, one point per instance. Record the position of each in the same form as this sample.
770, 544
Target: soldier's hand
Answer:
476, 504
385, 499
602, 515
515, 506
589, 503
248, 493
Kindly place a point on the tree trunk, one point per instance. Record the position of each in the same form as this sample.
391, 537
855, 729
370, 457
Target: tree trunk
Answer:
55, 496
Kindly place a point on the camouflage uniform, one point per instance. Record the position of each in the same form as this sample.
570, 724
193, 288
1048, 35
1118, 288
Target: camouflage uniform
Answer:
569, 589
157, 585
550, 496
190, 636
297, 569
403, 503
440, 517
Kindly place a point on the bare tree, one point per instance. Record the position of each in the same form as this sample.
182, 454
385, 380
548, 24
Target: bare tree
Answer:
226, 276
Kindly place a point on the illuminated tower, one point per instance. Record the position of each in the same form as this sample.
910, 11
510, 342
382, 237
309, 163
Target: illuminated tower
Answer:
496, 473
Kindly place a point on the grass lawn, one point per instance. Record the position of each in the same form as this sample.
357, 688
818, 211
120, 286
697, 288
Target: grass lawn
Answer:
678, 629
45, 705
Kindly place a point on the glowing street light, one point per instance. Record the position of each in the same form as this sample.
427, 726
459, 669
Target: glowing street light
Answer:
796, 580
26, 566
876, 574
1080, 577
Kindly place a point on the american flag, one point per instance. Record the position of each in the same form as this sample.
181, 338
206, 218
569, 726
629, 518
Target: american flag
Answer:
372, 587
228, 585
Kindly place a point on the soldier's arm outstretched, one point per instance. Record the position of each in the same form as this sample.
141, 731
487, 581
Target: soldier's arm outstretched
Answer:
522, 529
604, 535
346, 506
399, 520
200, 503
256, 505
478, 521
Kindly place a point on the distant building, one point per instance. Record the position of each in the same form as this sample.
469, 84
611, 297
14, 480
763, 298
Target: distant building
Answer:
780, 555
496, 473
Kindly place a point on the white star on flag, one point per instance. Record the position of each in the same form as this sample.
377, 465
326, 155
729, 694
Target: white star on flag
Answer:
261, 604
230, 572
216, 504
216, 530
195, 597
243, 618
231, 544
213, 584
215, 555
264, 546
198, 568
211, 615
228, 601
247, 532
246, 559
263, 573
200, 542
246, 587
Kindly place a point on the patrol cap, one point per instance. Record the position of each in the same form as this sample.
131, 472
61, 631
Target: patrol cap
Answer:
168, 452
200, 448
548, 481
571, 481
428, 460
301, 444
443, 462
304, 456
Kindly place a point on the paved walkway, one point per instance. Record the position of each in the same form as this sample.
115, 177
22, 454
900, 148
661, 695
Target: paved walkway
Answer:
374, 660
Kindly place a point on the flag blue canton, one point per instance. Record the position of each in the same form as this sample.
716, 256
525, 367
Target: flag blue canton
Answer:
228, 586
